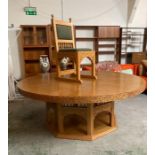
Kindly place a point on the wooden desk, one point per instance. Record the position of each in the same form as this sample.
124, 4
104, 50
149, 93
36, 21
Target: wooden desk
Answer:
93, 101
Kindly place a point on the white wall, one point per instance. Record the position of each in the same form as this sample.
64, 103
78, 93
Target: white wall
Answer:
138, 17
83, 12
131, 4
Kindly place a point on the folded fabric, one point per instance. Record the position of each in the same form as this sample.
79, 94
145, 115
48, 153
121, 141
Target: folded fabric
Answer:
108, 66
134, 67
127, 71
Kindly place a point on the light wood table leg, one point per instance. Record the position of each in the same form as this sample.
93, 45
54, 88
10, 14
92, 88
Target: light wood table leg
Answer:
51, 116
93, 69
90, 119
60, 118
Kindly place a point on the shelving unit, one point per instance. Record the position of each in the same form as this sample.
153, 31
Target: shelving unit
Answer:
105, 40
35, 40
85, 37
134, 39
108, 41
113, 41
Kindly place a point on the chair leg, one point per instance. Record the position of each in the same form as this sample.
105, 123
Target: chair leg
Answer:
78, 69
58, 70
112, 117
93, 68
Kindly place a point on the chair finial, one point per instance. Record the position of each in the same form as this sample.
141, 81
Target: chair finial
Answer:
52, 16
70, 20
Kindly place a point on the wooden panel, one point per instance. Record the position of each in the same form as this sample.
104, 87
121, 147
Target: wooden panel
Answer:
34, 54
28, 35
32, 68
34, 35
138, 57
108, 31
135, 57
41, 34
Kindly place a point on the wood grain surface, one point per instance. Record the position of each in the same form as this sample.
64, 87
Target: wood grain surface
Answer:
109, 86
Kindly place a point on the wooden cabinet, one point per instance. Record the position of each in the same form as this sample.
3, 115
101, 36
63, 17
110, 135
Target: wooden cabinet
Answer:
135, 57
35, 41
35, 35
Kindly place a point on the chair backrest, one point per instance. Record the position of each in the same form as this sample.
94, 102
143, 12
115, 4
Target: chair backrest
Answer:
63, 34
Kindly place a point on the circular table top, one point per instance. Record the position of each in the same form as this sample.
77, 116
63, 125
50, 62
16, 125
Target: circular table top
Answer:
109, 86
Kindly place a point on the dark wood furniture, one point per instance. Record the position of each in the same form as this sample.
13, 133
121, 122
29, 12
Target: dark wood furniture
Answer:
35, 40
91, 111
135, 57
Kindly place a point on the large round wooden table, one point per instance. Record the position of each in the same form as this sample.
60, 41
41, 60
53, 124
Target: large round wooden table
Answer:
81, 111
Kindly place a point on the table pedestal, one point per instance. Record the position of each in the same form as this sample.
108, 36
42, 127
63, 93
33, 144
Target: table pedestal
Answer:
83, 122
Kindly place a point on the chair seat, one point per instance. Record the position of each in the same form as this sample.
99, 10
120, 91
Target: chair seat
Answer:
75, 50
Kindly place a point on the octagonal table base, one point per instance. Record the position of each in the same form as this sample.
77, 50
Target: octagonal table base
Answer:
82, 122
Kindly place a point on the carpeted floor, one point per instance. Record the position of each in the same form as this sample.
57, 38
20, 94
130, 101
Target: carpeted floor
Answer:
28, 134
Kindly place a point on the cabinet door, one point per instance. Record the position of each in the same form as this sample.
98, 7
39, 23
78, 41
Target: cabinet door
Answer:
135, 57
32, 68
34, 54
41, 36
28, 35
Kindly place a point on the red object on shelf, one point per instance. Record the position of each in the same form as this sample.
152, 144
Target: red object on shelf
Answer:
87, 68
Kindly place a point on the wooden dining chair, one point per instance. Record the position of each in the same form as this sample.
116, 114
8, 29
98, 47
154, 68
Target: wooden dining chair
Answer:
65, 48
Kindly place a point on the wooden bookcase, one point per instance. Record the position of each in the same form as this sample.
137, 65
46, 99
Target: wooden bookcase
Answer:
35, 40
116, 41
110, 38
105, 39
